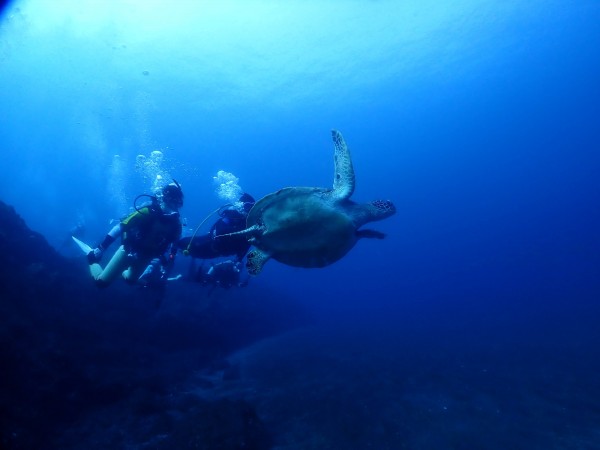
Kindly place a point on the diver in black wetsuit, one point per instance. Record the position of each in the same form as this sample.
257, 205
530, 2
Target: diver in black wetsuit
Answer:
225, 274
209, 245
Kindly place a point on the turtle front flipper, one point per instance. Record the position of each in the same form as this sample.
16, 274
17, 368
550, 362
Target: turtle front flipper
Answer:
255, 261
343, 177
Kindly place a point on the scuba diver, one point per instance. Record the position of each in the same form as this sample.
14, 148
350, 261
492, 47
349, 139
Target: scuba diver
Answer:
214, 244
225, 274
146, 235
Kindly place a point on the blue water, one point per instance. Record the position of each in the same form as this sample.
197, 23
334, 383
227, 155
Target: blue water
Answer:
477, 317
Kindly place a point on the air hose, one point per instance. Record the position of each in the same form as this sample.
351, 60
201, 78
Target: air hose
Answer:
186, 252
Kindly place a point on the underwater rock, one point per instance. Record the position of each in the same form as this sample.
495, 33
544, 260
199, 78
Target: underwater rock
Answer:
225, 424
75, 356
28, 262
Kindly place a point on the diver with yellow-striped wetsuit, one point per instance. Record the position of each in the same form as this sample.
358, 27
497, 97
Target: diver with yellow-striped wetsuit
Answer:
146, 235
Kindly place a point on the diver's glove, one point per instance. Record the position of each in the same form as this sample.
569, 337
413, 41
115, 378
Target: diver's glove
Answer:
95, 255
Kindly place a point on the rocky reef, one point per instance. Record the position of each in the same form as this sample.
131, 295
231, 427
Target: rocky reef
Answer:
89, 368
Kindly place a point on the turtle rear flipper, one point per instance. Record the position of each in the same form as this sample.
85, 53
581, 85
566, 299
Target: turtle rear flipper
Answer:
255, 261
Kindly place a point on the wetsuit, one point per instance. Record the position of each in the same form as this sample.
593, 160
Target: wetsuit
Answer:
209, 246
146, 234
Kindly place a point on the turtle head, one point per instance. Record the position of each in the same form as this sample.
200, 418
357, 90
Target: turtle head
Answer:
382, 209
372, 211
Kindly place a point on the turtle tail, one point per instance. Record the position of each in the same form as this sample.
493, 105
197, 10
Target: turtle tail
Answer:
367, 233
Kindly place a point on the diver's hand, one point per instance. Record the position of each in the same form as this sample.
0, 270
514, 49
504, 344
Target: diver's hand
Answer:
95, 255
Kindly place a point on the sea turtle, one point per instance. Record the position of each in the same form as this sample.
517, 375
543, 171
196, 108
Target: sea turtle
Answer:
312, 226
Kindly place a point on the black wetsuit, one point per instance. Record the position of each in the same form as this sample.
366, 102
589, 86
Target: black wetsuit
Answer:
149, 232
209, 246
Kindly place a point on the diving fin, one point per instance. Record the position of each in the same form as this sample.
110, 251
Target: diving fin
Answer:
86, 249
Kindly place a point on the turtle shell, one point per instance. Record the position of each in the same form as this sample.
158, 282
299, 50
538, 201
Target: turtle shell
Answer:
303, 227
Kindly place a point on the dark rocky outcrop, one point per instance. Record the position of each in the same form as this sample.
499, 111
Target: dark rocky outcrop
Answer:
89, 368
29, 264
